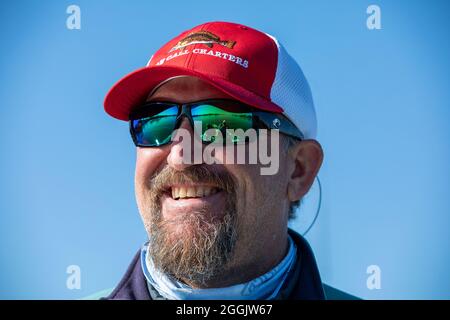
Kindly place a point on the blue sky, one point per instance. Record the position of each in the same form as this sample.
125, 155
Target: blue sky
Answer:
382, 101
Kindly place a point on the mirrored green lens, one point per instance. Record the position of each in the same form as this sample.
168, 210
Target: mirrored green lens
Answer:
215, 122
155, 130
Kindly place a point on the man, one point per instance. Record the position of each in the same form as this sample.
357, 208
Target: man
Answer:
217, 227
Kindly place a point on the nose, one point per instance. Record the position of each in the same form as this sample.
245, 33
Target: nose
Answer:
181, 155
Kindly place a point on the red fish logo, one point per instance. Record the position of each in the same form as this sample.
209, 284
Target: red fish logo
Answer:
205, 37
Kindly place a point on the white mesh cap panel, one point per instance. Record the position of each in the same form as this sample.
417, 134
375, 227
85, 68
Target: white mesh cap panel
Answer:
291, 91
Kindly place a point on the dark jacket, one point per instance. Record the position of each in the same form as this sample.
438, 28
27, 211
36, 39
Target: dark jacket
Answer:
302, 283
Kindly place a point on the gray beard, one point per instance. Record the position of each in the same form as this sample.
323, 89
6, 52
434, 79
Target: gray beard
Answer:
195, 257
199, 254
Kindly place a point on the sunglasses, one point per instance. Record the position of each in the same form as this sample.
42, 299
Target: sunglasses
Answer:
153, 123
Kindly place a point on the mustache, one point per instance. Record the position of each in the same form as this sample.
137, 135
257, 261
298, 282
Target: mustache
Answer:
195, 174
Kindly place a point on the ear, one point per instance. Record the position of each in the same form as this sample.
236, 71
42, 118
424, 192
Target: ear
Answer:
307, 157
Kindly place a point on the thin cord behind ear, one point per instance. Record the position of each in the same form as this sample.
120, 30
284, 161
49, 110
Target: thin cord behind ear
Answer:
318, 207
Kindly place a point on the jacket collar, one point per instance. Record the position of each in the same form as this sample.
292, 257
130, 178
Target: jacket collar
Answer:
303, 282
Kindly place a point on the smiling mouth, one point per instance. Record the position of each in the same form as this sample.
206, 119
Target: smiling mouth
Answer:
185, 192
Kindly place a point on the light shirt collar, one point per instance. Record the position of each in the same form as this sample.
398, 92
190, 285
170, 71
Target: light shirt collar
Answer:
265, 287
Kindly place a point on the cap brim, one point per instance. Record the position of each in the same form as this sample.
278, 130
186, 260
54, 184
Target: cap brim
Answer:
133, 89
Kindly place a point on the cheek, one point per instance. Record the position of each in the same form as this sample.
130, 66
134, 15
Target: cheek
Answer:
148, 160
252, 184
258, 191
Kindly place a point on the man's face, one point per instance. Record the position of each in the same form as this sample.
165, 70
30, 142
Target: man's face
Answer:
208, 222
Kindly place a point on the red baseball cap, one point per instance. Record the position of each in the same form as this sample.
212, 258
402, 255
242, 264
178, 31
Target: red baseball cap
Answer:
247, 64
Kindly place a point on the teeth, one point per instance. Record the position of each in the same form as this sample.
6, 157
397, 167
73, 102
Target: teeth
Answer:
200, 191
182, 193
174, 193
192, 192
